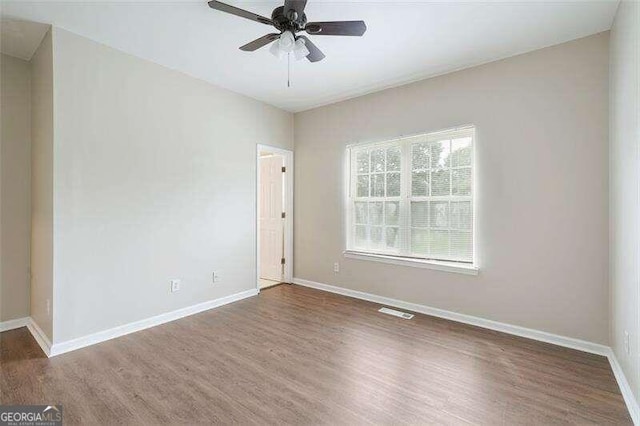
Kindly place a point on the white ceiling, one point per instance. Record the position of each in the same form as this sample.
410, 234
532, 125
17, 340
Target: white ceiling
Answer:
405, 41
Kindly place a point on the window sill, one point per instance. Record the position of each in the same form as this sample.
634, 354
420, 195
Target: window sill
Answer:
416, 263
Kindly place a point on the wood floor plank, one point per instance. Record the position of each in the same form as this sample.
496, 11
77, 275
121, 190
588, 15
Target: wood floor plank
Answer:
294, 355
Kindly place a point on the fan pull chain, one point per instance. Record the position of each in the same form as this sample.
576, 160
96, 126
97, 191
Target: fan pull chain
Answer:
288, 69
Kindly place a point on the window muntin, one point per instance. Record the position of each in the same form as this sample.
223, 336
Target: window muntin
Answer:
413, 197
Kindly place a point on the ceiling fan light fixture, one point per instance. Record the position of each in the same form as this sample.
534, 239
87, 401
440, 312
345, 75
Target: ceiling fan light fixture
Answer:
275, 49
287, 42
300, 50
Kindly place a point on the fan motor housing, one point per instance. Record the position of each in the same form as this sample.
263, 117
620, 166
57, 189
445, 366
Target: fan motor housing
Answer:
283, 23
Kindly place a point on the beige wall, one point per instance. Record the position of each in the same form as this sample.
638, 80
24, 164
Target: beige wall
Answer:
15, 186
154, 180
42, 185
625, 187
542, 167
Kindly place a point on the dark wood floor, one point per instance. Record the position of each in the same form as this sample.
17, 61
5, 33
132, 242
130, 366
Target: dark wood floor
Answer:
301, 356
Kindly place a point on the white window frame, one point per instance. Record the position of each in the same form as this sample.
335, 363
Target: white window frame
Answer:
404, 257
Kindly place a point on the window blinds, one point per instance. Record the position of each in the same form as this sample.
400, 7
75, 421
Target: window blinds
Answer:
413, 197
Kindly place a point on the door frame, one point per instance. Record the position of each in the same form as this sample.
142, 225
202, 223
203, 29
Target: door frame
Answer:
288, 208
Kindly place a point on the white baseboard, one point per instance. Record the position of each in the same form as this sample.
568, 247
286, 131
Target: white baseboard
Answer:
112, 333
625, 388
568, 342
529, 333
40, 336
13, 324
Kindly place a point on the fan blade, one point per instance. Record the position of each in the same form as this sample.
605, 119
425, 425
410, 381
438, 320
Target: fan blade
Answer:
295, 5
223, 7
315, 54
260, 42
341, 28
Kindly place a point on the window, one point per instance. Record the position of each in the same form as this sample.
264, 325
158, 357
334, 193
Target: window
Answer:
413, 197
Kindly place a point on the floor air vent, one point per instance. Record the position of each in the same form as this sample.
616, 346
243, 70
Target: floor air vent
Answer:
395, 313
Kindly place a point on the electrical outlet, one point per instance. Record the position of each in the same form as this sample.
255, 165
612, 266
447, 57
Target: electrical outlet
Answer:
175, 286
215, 277
627, 346
336, 267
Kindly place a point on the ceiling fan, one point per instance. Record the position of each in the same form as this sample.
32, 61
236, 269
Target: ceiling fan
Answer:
289, 20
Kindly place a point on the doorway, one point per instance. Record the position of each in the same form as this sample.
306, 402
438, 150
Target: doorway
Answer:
274, 216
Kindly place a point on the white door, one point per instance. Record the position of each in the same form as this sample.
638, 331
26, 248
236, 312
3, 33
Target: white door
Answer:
271, 221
